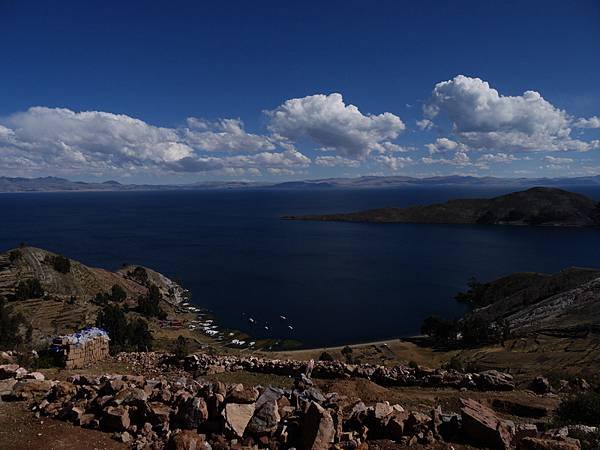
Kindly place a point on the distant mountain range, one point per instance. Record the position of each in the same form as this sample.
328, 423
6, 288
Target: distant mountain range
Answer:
55, 184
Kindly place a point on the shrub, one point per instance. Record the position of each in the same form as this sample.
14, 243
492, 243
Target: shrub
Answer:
117, 293
347, 352
439, 329
474, 294
125, 335
149, 304
326, 357
60, 263
140, 275
14, 255
582, 408
31, 288
14, 329
181, 348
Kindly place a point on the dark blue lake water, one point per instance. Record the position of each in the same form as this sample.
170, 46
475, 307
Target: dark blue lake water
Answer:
336, 282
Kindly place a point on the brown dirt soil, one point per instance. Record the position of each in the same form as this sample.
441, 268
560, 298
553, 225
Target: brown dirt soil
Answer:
21, 430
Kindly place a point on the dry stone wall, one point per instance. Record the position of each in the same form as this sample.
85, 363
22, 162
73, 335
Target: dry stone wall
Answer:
80, 349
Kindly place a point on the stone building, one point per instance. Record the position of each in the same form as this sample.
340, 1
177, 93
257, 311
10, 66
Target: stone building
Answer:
80, 349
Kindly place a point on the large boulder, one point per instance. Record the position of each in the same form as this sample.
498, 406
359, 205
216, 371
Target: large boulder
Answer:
8, 371
131, 396
318, 428
187, 440
266, 416
191, 411
62, 390
483, 427
242, 394
6, 386
237, 416
115, 418
532, 443
492, 380
27, 389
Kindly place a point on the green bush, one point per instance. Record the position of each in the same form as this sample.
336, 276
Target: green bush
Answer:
140, 275
14, 329
14, 255
60, 263
582, 408
125, 335
326, 357
149, 304
181, 348
27, 289
117, 293
439, 329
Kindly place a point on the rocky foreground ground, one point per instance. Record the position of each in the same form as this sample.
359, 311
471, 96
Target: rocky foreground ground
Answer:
175, 405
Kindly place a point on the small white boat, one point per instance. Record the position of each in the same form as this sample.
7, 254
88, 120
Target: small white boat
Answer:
290, 327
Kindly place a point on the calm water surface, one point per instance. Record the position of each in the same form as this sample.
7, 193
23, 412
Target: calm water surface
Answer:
336, 282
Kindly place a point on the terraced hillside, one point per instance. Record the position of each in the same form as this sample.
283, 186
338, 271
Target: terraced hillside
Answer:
63, 301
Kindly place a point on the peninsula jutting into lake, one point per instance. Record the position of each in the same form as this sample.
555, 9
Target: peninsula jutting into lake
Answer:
540, 206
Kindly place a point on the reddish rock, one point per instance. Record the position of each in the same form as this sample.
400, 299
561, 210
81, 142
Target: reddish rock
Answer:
8, 371
241, 394
237, 416
187, 440
483, 427
531, 443
116, 418
318, 429
191, 411
27, 389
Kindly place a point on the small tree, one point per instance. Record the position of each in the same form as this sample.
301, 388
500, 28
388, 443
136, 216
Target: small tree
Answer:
140, 337
180, 348
14, 329
326, 357
61, 263
113, 320
441, 330
27, 289
149, 304
140, 275
347, 352
117, 293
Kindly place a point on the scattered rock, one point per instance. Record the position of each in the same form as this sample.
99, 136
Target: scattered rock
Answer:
187, 440
531, 443
318, 431
115, 418
237, 416
483, 427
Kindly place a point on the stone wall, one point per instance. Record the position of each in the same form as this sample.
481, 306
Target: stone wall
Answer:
84, 348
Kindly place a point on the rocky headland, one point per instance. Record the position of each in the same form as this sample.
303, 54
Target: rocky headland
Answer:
541, 206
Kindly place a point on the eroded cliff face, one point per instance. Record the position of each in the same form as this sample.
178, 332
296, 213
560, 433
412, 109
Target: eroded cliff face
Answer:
574, 311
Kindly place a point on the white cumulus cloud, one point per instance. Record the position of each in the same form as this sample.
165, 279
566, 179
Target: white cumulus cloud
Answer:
591, 122
482, 118
62, 141
331, 124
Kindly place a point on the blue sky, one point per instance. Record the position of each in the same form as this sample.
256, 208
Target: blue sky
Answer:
184, 91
